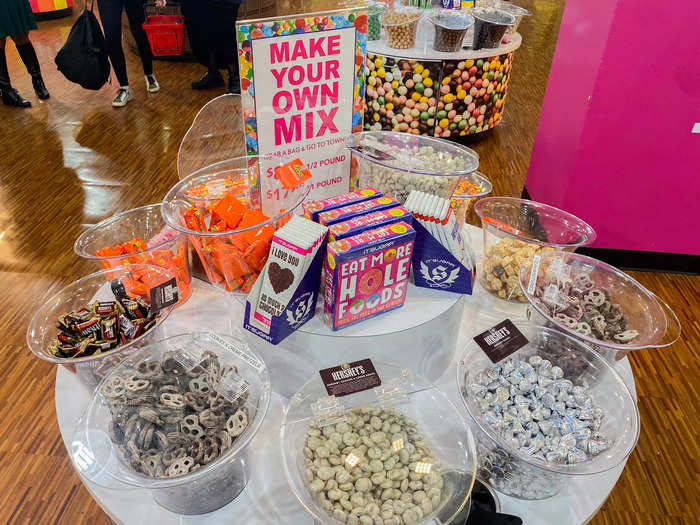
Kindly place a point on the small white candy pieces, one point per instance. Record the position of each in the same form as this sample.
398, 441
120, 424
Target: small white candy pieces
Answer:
375, 467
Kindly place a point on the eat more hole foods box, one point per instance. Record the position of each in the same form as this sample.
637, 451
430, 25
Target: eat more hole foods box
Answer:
367, 274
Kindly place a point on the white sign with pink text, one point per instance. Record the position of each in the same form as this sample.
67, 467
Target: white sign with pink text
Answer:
304, 86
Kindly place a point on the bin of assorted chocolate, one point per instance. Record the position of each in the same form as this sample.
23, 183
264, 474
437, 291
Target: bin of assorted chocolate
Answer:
515, 230
401, 27
177, 418
552, 410
489, 27
97, 321
397, 163
138, 236
519, 13
396, 452
450, 29
219, 208
597, 303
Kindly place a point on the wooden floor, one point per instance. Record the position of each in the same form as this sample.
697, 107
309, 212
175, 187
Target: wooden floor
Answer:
73, 160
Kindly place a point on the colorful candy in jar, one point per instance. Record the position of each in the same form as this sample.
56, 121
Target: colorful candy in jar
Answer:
401, 95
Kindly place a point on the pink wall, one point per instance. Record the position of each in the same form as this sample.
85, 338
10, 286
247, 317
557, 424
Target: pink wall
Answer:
614, 144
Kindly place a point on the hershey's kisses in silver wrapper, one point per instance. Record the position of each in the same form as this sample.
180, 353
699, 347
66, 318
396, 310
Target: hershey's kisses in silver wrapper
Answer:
539, 412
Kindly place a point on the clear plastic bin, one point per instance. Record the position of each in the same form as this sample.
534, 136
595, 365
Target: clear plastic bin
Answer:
489, 27
450, 29
514, 472
397, 163
103, 435
440, 426
206, 204
161, 245
656, 324
94, 287
376, 11
516, 229
519, 13
469, 188
400, 27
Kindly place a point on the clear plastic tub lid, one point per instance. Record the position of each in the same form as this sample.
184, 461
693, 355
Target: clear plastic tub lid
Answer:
396, 427
494, 16
597, 302
413, 153
172, 413
453, 21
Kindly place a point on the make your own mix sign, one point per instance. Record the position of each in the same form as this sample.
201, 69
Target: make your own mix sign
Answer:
302, 94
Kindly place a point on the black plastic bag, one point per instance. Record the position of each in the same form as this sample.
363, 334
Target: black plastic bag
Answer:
83, 58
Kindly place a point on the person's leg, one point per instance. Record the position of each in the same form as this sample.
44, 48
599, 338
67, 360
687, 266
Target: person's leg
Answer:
202, 30
111, 16
224, 41
31, 61
136, 16
9, 95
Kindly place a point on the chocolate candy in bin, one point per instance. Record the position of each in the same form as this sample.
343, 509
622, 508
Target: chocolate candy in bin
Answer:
95, 322
178, 416
489, 27
401, 94
472, 94
551, 411
220, 210
101, 326
450, 29
401, 28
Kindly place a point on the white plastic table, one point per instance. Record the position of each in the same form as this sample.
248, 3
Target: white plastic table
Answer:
267, 498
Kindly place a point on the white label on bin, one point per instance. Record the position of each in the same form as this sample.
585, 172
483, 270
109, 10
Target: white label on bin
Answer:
240, 352
232, 387
533, 274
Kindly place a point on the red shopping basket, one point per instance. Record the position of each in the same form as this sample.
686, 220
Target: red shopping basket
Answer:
165, 33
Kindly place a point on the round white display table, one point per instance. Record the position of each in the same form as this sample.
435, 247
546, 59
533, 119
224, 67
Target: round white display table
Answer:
267, 498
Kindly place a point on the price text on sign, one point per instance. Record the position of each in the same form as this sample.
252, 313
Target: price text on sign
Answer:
304, 103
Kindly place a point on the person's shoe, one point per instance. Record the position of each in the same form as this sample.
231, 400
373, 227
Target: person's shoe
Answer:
40, 88
122, 98
152, 84
208, 81
11, 97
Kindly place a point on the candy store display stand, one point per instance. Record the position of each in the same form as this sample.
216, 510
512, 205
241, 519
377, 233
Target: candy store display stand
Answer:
267, 497
439, 65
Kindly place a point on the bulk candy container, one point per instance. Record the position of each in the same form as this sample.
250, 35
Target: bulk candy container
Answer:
565, 412
597, 304
219, 208
489, 27
397, 163
450, 29
400, 27
177, 419
135, 237
94, 363
516, 229
400, 450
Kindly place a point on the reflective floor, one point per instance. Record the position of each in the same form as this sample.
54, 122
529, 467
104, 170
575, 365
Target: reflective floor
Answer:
73, 160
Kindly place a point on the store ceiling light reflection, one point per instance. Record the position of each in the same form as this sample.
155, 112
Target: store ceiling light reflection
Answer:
423, 468
352, 460
397, 445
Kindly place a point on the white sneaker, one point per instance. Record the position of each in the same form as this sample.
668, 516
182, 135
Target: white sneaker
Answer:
152, 84
123, 96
